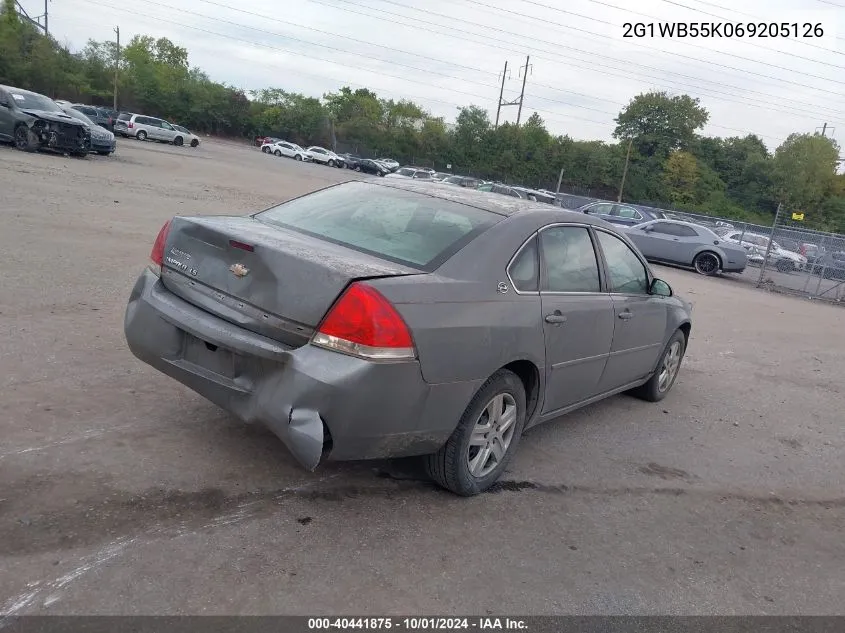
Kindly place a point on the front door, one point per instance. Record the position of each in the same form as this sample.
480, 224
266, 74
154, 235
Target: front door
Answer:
167, 132
640, 318
7, 119
577, 316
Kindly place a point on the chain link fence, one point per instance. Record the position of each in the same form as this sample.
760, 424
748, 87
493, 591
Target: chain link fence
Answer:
785, 256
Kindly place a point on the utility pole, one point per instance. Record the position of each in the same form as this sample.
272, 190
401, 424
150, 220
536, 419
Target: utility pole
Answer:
116, 65
559, 180
501, 92
625, 171
522, 94
46, 29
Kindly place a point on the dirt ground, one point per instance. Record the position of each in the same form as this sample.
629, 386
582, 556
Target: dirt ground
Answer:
122, 492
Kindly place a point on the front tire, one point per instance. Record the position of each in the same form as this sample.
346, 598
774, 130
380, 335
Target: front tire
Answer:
358, 168
330, 163
25, 139
785, 265
707, 263
194, 143
104, 153
486, 437
266, 150
141, 135
178, 141
667, 370
297, 157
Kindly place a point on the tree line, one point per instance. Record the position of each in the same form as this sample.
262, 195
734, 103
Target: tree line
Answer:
671, 164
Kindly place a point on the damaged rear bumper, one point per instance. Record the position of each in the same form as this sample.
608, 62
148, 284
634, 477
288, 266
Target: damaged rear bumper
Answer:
320, 403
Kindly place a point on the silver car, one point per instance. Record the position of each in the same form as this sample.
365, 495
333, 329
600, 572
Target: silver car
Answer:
145, 128
687, 244
385, 320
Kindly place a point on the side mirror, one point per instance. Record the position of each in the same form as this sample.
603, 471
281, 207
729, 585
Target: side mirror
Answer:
4, 104
660, 288
648, 228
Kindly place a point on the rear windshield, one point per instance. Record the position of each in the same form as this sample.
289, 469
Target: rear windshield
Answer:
125, 116
401, 226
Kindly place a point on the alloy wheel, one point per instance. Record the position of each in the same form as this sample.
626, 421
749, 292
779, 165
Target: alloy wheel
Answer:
491, 435
706, 264
669, 366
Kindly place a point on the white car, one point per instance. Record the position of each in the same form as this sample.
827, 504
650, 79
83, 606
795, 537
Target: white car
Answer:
325, 156
288, 150
410, 172
388, 162
784, 260
189, 137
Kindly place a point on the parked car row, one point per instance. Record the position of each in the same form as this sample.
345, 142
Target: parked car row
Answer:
316, 154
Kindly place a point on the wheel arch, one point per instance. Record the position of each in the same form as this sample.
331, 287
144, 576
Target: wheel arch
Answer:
712, 251
529, 374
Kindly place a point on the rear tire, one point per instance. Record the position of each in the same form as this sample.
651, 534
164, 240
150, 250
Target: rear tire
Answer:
25, 139
670, 362
707, 263
472, 460
141, 135
104, 153
358, 168
278, 153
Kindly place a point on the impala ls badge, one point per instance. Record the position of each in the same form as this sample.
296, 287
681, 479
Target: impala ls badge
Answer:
239, 270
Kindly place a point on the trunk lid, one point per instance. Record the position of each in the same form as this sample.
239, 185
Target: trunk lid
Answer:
281, 289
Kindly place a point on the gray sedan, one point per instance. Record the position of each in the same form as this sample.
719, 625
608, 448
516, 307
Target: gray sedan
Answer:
687, 244
385, 320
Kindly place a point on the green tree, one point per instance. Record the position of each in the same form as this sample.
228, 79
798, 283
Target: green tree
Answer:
805, 171
681, 175
659, 123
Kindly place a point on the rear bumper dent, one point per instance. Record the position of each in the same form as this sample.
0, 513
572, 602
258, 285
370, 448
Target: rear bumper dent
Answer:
304, 395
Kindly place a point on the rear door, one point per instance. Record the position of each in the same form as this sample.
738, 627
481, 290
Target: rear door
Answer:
640, 318
578, 317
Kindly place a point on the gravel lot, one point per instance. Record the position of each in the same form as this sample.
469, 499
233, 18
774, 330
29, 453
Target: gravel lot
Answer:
121, 492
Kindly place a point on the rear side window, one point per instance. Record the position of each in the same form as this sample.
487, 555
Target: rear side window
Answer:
686, 231
397, 225
569, 260
524, 271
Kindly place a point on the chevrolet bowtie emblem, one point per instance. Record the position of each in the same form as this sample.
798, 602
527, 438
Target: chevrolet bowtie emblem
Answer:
239, 270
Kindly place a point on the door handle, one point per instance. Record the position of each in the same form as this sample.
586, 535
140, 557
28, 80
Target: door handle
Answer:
626, 315
557, 318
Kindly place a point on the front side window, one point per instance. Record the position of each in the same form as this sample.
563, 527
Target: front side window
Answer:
599, 209
424, 175
626, 272
664, 228
569, 260
524, 271
626, 212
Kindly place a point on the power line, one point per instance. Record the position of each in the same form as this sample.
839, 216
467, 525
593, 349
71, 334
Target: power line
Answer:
569, 63
558, 102
757, 17
775, 50
703, 61
379, 72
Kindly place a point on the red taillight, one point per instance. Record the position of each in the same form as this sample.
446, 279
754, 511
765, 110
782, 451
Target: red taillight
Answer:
157, 254
130, 125
363, 323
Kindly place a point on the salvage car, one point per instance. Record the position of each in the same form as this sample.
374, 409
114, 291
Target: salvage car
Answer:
102, 141
371, 320
687, 244
32, 121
